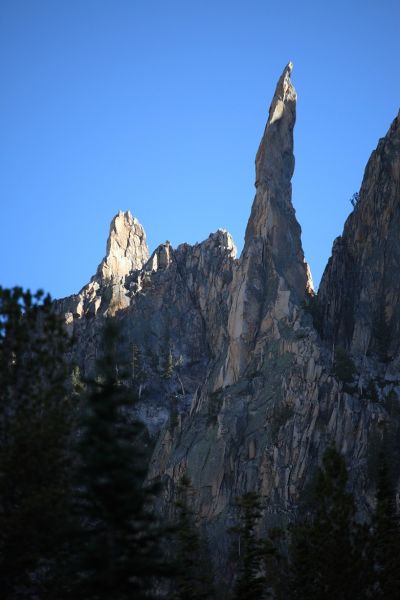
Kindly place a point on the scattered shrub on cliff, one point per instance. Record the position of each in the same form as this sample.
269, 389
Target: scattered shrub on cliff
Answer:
138, 369
215, 400
76, 382
392, 405
152, 359
354, 199
173, 412
371, 391
167, 364
282, 412
311, 306
168, 368
382, 334
344, 367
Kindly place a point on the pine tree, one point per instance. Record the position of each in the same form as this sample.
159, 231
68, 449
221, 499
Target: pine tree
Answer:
119, 547
35, 431
276, 563
168, 365
385, 535
326, 559
138, 372
251, 581
77, 383
193, 579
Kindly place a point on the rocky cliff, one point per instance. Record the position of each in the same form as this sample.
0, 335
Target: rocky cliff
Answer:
236, 360
360, 289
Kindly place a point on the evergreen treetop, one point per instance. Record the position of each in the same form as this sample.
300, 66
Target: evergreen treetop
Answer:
325, 556
35, 432
120, 553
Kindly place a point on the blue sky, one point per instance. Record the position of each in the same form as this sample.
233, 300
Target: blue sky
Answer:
159, 107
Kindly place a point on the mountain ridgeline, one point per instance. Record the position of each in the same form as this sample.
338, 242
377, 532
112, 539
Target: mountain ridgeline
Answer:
244, 375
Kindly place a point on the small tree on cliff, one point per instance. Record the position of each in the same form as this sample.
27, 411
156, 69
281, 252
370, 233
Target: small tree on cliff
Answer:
354, 199
168, 368
138, 371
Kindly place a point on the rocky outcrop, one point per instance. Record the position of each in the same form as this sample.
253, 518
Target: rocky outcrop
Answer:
233, 359
359, 295
106, 293
126, 248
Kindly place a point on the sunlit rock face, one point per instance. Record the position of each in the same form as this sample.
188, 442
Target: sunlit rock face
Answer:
106, 292
252, 398
126, 248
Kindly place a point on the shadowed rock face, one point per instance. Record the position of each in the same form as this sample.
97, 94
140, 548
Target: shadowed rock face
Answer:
359, 295
253, 399
175, 301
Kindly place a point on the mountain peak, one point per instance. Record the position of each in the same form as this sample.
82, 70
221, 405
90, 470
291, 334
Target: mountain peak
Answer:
126, 247
272, 223
275, 153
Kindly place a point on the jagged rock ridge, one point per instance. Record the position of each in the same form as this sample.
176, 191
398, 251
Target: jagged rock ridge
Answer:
254, 398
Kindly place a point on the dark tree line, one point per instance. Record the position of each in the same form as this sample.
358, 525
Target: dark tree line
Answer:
78, 520
118, 553
35, 434
328, 553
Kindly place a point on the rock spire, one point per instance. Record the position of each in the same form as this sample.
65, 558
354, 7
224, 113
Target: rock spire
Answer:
272, 216
126, 248
273, 275
275, 160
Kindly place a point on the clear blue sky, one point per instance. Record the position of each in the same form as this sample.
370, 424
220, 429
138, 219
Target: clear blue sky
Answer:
159, 106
